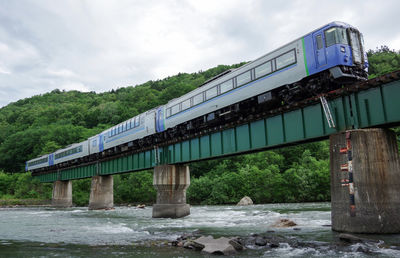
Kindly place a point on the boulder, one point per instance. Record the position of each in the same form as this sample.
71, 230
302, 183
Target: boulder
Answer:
245, 201
349, 238
216, 246
236, 243
274, 244
284, 223
193, 245
261, 241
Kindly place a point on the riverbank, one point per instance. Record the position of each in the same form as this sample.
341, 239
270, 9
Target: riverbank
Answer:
7, 203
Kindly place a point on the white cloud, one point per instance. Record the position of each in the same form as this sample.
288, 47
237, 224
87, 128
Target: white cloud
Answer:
100, 45
70, 85
62, 73
4, 70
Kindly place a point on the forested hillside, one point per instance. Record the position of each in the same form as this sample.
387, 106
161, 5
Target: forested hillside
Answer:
45, 123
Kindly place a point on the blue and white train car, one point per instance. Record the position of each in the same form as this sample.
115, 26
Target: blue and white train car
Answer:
73, 151
336, 48
40, 162
135, 128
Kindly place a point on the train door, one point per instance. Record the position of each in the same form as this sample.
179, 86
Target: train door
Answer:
160, 119
101, 142
319, 46
151, 122
51, 159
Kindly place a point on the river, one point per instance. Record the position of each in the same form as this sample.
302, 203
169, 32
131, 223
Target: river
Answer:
131, 232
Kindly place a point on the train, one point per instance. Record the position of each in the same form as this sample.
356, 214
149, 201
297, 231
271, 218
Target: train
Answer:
312, 64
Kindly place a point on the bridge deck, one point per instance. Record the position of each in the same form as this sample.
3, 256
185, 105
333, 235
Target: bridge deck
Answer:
368, 105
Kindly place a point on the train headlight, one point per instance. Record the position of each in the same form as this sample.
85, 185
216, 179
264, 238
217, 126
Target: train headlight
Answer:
342, 49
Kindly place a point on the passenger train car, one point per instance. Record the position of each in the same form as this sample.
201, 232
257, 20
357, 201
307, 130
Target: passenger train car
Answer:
334, 52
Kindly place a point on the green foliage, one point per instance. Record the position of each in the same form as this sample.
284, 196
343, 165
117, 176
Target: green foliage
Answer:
261, 177
23, 186
134, 188
42, 124
382, 61
81, 191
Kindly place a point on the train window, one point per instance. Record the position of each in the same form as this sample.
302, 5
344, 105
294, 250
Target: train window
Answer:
109, 133
132, 122
168, 112
226, 86
335, 36
186, 104
243, 78
319, 42
119, 128
197, 99
137, 121
123, 127
263, 69
94, 143
37, 162
141, 119
285, 60
175, 109
128, 125
211, 93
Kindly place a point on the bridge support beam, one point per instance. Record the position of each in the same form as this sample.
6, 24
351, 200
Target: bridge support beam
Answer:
365, 181
101, 193
62, 194
171, 182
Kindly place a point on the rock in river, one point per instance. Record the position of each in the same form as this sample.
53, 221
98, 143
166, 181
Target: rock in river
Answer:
245, 201
349, 238
216, 246
284, 223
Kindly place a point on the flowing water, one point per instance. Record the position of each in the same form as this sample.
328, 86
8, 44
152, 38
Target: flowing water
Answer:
131, 232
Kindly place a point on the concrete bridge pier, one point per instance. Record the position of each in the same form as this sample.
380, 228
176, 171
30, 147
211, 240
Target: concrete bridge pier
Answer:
62, 194
365, 181
171, 182
101, 193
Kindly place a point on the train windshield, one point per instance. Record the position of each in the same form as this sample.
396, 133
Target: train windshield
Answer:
336, 35
356, 46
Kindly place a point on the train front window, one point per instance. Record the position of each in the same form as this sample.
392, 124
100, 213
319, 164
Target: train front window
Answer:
336, 35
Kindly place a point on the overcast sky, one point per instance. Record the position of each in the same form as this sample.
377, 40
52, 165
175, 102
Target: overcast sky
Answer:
99, 45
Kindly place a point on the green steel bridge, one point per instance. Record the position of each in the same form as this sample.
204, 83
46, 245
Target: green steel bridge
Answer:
374, 103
